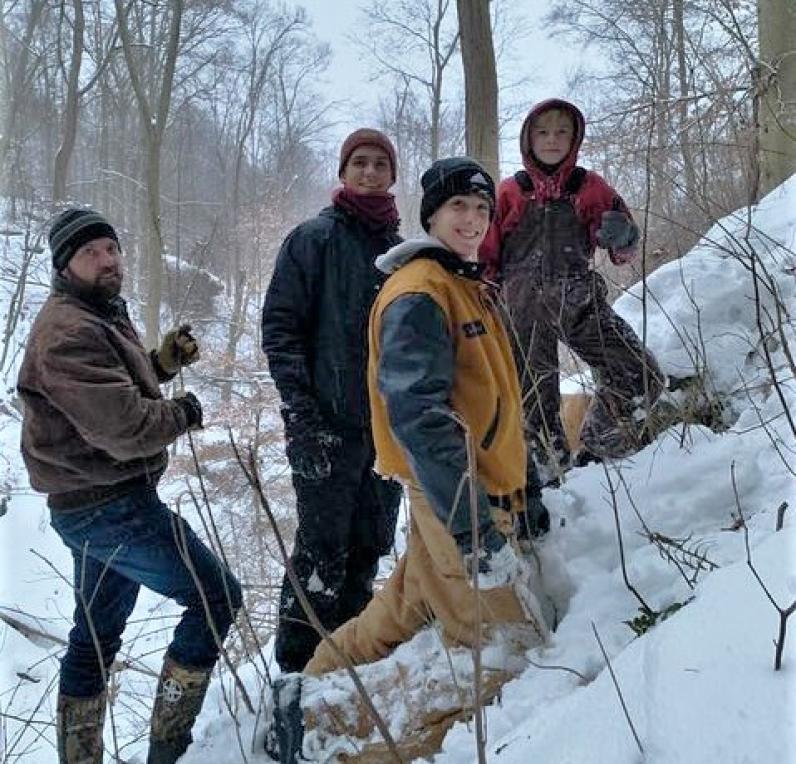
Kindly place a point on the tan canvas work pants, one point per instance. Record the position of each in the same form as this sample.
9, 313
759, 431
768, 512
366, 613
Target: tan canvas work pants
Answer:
428, 583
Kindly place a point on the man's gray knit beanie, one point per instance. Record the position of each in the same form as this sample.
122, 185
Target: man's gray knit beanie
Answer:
72, 229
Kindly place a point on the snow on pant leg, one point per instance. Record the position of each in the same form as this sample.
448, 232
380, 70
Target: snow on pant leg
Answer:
445, 588
542, 403
428, 583
321, 552
540, 389
373, 534
393, 616
535, 350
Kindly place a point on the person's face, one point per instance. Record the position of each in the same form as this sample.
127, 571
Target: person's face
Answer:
367, 170
97, 265
551, 136
461, 224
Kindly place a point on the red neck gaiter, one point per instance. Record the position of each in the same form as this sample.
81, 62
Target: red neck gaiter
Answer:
377, 211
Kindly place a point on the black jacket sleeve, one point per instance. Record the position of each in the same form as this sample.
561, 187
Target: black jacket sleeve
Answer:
415, 377
287, 325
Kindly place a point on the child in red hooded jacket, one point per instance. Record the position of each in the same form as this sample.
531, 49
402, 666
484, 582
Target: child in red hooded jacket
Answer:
550, 218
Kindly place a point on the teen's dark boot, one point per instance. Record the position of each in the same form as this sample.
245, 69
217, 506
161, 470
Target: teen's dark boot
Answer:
79, 723
285, 720
180, 694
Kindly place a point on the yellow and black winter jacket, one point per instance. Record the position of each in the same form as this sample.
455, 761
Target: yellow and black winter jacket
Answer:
440, 357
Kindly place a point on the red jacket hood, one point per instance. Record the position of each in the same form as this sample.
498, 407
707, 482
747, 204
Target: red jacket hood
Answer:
550, 185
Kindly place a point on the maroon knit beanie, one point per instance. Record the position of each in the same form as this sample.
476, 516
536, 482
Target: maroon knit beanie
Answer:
371, 137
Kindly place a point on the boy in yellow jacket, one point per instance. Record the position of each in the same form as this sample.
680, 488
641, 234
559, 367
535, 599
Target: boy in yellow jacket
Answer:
441, 366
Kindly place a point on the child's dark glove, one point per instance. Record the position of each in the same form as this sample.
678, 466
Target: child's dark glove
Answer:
617, 231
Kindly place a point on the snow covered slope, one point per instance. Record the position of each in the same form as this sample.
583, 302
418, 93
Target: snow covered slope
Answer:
699, 686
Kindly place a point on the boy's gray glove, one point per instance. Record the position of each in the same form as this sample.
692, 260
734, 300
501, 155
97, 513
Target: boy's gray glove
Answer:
617, 231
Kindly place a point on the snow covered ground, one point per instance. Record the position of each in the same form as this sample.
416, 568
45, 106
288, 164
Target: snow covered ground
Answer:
699, 687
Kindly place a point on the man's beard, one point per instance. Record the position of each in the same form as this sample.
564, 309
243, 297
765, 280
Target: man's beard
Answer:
103, 289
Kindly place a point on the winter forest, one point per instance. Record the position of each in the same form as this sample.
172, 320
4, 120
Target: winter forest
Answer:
205, 131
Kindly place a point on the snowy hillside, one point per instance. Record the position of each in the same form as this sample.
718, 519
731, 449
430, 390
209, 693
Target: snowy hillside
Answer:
699, 686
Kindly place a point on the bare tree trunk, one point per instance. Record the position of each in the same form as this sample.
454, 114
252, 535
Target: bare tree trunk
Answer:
71, 110
236, 326
259, 70
683, 127
480, 84
154, 125
154, 250
17, 84
777, 118
661, 197
436, 107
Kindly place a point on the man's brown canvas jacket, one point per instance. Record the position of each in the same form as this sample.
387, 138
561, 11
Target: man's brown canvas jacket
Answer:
95, 423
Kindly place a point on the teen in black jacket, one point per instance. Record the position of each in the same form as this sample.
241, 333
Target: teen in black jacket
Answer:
314, 329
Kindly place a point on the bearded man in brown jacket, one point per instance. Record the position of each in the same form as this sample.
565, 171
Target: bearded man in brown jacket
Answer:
94, 437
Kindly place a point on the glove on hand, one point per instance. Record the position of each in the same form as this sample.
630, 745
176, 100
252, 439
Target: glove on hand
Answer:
192, 408
179, 348
496, 562
310, 454
532, 522
617, 231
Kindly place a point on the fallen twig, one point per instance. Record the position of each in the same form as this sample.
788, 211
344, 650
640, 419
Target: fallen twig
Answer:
781, 515
618, 689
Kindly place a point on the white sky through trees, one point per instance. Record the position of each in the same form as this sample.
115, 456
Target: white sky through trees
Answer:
547, 62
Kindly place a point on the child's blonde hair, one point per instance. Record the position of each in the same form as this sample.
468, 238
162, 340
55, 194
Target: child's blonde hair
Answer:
553, 117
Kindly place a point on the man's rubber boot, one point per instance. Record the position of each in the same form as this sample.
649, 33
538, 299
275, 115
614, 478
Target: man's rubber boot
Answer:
79, 723
180, 694
285, 729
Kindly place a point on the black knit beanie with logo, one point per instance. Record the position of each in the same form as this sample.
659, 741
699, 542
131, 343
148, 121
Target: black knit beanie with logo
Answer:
454, 176
72, 229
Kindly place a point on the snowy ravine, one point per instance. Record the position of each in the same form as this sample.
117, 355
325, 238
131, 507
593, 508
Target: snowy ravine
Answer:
700, 687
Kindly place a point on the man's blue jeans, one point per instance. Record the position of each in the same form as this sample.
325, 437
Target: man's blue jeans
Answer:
118, 546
